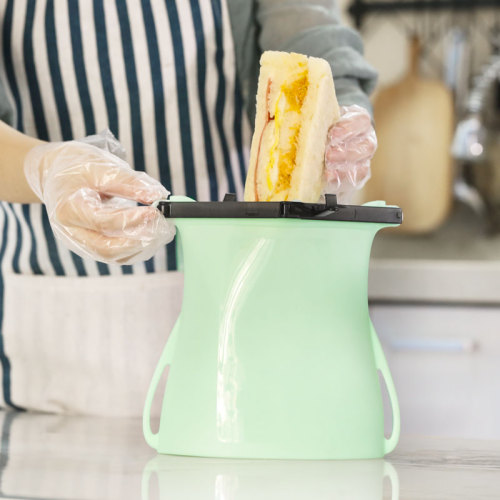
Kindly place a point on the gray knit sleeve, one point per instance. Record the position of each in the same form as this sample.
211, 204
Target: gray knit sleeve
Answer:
6, 112
314, 28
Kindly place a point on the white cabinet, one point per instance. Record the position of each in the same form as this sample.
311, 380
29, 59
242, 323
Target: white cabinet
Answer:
445, 362
439, 324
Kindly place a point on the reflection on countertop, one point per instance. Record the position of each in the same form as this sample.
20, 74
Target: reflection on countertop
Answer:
221, 479
65, 457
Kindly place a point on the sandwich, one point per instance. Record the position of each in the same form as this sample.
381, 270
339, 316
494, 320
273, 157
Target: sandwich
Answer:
296, 105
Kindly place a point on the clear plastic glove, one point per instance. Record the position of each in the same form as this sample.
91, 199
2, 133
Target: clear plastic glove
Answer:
350, 146
91, 197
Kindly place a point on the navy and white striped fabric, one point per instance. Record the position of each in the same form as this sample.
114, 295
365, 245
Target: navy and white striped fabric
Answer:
160, 74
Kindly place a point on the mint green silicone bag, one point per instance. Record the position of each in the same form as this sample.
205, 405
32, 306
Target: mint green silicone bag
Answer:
274, 354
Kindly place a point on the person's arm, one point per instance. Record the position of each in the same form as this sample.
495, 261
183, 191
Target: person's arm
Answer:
14, 147
314, 28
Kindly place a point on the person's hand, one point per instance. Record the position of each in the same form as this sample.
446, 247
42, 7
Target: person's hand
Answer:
350, 146
91, 197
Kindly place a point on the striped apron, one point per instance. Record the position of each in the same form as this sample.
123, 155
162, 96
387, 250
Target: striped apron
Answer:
77, 335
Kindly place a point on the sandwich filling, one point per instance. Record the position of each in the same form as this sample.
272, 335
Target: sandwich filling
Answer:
281, 133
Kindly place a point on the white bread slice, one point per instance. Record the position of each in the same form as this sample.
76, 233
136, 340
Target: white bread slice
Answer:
296, 105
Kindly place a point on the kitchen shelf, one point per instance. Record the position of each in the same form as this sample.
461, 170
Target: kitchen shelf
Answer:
464, 236
458, 263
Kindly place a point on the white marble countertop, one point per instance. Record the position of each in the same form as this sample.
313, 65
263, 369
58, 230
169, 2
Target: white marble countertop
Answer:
55, 457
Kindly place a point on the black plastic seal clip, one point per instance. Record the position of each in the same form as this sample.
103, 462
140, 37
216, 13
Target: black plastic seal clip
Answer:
232, 209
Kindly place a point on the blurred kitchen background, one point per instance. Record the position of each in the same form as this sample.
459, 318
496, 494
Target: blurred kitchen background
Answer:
435, 281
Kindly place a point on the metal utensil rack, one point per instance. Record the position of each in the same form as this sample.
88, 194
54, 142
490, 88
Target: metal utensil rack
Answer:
431, 21
359, 9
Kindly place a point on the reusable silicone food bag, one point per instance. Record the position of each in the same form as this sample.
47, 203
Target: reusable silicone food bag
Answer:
274, 354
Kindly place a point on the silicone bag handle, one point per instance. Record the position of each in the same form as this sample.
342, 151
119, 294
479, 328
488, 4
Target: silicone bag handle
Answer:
381, 362
165, 360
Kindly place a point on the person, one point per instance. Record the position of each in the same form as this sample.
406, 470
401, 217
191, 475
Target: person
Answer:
88, 289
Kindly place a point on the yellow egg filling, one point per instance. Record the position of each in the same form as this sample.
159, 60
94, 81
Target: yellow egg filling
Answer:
296, 91
285, 151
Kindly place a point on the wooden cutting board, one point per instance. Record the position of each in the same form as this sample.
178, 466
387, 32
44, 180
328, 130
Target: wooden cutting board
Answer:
413, 167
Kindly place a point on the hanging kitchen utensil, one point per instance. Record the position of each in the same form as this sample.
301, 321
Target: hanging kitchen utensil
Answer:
413, 166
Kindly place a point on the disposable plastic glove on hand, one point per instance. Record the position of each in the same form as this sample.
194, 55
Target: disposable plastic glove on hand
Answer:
91, 197
350, 146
